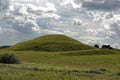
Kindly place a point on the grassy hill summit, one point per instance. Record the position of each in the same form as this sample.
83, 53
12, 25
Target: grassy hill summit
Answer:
52, 43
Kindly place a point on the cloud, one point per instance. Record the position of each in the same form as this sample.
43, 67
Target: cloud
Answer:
70, 2
4, 4
111, 34
49, 8
105, 5
26, 19
91, 31
77, 22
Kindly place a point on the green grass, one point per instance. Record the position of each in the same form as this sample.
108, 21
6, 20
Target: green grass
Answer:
9, 72
51, 43
58, 57
75, 65
75, 59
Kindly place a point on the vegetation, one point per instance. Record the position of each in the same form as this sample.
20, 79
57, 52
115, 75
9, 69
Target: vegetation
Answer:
97, 46
9, 59
61, 66
11, 73
41, 61
51, 43
106, 46
3, 47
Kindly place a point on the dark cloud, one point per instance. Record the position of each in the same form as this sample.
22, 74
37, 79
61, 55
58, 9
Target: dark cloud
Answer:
4, 4
105, 5
116, 29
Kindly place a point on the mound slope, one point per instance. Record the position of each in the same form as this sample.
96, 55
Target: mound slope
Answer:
53, 43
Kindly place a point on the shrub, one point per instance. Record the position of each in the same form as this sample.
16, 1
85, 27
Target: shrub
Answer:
118, 74
9, 59
106, 46
104, 70
97, 46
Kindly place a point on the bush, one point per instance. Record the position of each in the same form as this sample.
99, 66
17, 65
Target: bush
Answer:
97, 46
118, 74
9, 59
106, 47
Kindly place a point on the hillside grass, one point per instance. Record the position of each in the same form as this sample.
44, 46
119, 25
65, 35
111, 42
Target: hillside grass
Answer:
51, 43
97, 64
58, 57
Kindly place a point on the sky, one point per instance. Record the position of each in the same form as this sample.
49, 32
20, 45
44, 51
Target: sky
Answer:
89, 21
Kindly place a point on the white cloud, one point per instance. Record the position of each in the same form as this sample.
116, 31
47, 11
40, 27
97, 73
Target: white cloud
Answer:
70, 33
77, 21
92, 31
26, 19
70, 2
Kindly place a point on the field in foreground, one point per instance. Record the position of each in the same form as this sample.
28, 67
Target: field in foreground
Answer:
71, 65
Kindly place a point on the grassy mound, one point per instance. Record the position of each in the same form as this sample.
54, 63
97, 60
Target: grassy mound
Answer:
91, 52
53, 43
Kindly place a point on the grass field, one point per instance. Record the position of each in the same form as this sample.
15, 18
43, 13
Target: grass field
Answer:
51, 43
58, 57
75, 65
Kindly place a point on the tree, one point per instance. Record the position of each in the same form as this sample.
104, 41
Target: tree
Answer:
106, 46
97, 46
